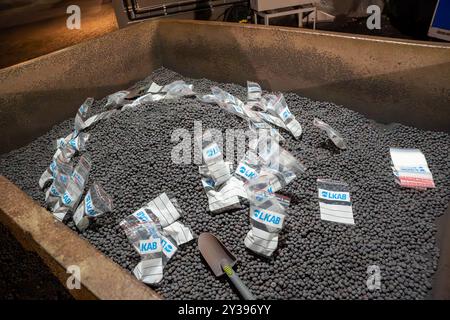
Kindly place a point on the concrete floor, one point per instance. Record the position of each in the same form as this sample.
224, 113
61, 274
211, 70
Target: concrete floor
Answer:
21, 43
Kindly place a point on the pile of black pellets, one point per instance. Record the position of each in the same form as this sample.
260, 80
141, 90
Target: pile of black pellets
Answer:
394, 227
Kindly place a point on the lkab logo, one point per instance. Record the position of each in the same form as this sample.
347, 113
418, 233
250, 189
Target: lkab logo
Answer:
334, 195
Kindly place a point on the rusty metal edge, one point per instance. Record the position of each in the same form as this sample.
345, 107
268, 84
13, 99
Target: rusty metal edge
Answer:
59, 247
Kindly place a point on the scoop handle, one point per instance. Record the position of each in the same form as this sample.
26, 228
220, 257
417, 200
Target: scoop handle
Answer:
240, 286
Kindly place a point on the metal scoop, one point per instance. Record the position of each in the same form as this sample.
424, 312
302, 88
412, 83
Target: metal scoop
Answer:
221, 261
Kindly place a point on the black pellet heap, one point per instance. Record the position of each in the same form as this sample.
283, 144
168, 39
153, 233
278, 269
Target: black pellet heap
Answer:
394, 227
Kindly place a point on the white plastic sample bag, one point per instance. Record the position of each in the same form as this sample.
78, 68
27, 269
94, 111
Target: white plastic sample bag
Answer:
143, 234
81, 115
229, 102
154, 239
222, 189
277, 106
226, 197
214, 166
117, 99
155, 92
178, 88
267, 216
274, 109
411, 169
165, 209
96, 203
75, 187
334, 201
178, 232
60, 164
333, 134
77, 143
56, 189
249, 167
254, 91
283, 165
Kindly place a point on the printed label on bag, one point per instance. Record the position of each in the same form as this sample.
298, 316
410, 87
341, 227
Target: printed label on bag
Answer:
149, 246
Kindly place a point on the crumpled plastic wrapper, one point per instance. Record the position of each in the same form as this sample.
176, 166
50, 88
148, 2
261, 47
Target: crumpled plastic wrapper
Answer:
333, 134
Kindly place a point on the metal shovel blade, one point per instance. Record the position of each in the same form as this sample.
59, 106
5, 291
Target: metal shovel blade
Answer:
215, 253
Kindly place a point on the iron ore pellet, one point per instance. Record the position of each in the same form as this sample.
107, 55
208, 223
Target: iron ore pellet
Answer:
394, 227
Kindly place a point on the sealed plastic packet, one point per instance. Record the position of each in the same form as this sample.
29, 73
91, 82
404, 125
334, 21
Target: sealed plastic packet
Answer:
214, 165
75, 188
211, 152
411, 169
177, 89
81, 115
267, 216
222, 190
219, 171
279, 159
60, 162
334, 201
333, 134
117, 99
179, 232
173, 90
100, 116
144, 216
165, 211
226, 101
56, 189
143, 234
272, 119
226, 197
77, 143
141, 100
96, 203
254, 91
249, 167
81, 120
276, 105
165, 208
156, 222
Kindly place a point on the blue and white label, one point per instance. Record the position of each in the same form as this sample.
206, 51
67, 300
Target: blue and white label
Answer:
246, 172
61, 142
54, 191
267, 217
142, 216
73, 143
67, 199
88, 206
211, 152
285, 114
53, 166
149, 246
334, 195
168, 247
63, 178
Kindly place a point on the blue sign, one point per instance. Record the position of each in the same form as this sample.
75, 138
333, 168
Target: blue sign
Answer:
440, 25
